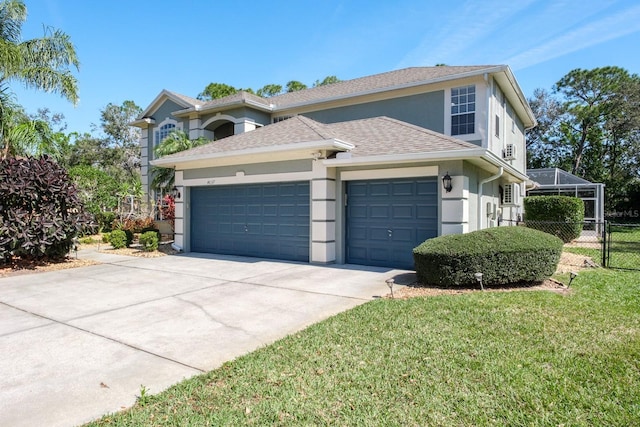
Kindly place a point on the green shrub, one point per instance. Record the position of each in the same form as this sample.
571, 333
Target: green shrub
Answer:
149, 241
562, 216
105, 220
106, 237
87, 240
155, 230
118, 239
40, 211
503, 255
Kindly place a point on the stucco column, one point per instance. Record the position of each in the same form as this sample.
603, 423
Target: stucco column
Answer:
455, 206
323, 214
180, 223
195, 127
144, 161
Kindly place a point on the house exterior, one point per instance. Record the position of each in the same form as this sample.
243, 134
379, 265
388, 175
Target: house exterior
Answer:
350, 172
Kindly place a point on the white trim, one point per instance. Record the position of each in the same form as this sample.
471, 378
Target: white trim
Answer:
221, 117
247, 179
389, 173
327, 144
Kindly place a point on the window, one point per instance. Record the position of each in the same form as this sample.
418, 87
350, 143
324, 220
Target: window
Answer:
164, 129
163, 132
463, 109
509, 152
497, 126
510, 194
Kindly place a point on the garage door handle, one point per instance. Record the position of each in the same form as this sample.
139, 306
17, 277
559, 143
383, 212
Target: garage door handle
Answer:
246, 229
389, 232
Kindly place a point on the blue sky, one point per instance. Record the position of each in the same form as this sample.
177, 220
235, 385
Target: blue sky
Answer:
131, 50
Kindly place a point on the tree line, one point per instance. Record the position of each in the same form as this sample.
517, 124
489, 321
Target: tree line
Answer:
589, 125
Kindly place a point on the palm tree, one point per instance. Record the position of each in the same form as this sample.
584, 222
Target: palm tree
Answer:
164, 178
41, 63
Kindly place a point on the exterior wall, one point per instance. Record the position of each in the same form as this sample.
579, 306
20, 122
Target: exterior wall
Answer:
481, 125
423, 110
454, 208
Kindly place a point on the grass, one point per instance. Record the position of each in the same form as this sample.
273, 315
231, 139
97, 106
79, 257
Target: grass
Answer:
624, 250
512, 358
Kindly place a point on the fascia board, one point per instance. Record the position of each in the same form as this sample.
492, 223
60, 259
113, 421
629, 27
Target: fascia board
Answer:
480, 155
202, 109
391, 88
327, 144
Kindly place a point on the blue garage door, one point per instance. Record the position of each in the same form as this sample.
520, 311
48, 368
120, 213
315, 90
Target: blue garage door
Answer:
386, 219
261, 220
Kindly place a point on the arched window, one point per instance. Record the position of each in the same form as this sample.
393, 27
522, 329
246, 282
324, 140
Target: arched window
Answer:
164, 129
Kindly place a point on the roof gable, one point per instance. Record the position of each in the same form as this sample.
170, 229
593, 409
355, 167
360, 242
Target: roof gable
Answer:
182, 100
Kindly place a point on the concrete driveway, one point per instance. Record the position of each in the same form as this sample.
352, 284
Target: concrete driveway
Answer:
79, 343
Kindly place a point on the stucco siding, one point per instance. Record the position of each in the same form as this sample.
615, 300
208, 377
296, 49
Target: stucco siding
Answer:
425, 109
250, 169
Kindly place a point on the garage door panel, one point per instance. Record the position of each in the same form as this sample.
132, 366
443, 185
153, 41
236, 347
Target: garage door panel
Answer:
264, 220
386, 219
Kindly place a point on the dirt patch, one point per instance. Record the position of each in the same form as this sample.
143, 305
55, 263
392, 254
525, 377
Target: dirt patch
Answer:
19, 266
164, 249
568, 262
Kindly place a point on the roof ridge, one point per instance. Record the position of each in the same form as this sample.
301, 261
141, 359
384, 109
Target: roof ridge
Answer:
317, 127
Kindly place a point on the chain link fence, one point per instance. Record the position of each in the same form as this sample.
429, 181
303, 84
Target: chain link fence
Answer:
584, 242
622, 246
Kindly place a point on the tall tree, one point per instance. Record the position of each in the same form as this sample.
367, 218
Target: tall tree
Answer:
294, 86
544, 142
122, 138
269, 90
216, 91
43, 63
326, 81
592, 130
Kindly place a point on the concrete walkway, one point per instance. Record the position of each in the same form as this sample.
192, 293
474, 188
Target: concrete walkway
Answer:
77, 344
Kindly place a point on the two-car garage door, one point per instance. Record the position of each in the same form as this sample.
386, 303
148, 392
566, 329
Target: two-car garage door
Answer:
259, 220
385, 220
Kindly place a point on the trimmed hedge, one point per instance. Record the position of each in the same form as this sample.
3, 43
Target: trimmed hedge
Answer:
562, 216
118, 239
503, 255
149, 241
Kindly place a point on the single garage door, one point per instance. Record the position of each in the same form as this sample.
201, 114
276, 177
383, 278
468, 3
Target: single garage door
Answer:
387, 218
261, 220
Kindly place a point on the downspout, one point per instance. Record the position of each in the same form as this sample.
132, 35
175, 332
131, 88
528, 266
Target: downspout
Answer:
480, 186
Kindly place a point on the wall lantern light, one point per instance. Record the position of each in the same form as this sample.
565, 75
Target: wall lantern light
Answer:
175, 192
446, 183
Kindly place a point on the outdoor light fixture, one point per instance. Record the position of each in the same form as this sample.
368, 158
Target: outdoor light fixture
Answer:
446, 183
479, 279
572, 276
175, 192
390, 283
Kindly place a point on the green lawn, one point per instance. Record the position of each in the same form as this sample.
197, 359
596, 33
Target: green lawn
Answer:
624, 250
493, 358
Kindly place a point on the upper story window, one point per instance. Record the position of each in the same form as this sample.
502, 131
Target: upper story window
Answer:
463, 109
164, 129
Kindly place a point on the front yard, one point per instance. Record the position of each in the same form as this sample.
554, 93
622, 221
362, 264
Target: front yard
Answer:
492, 358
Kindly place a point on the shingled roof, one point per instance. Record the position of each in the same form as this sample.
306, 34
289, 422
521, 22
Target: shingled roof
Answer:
377, 82
347, 88
373, 136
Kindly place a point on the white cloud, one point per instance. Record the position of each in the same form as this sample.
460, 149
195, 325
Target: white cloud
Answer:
466, 26
593, 33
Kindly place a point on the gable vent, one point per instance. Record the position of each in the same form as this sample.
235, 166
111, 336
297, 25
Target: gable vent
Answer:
509, 152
